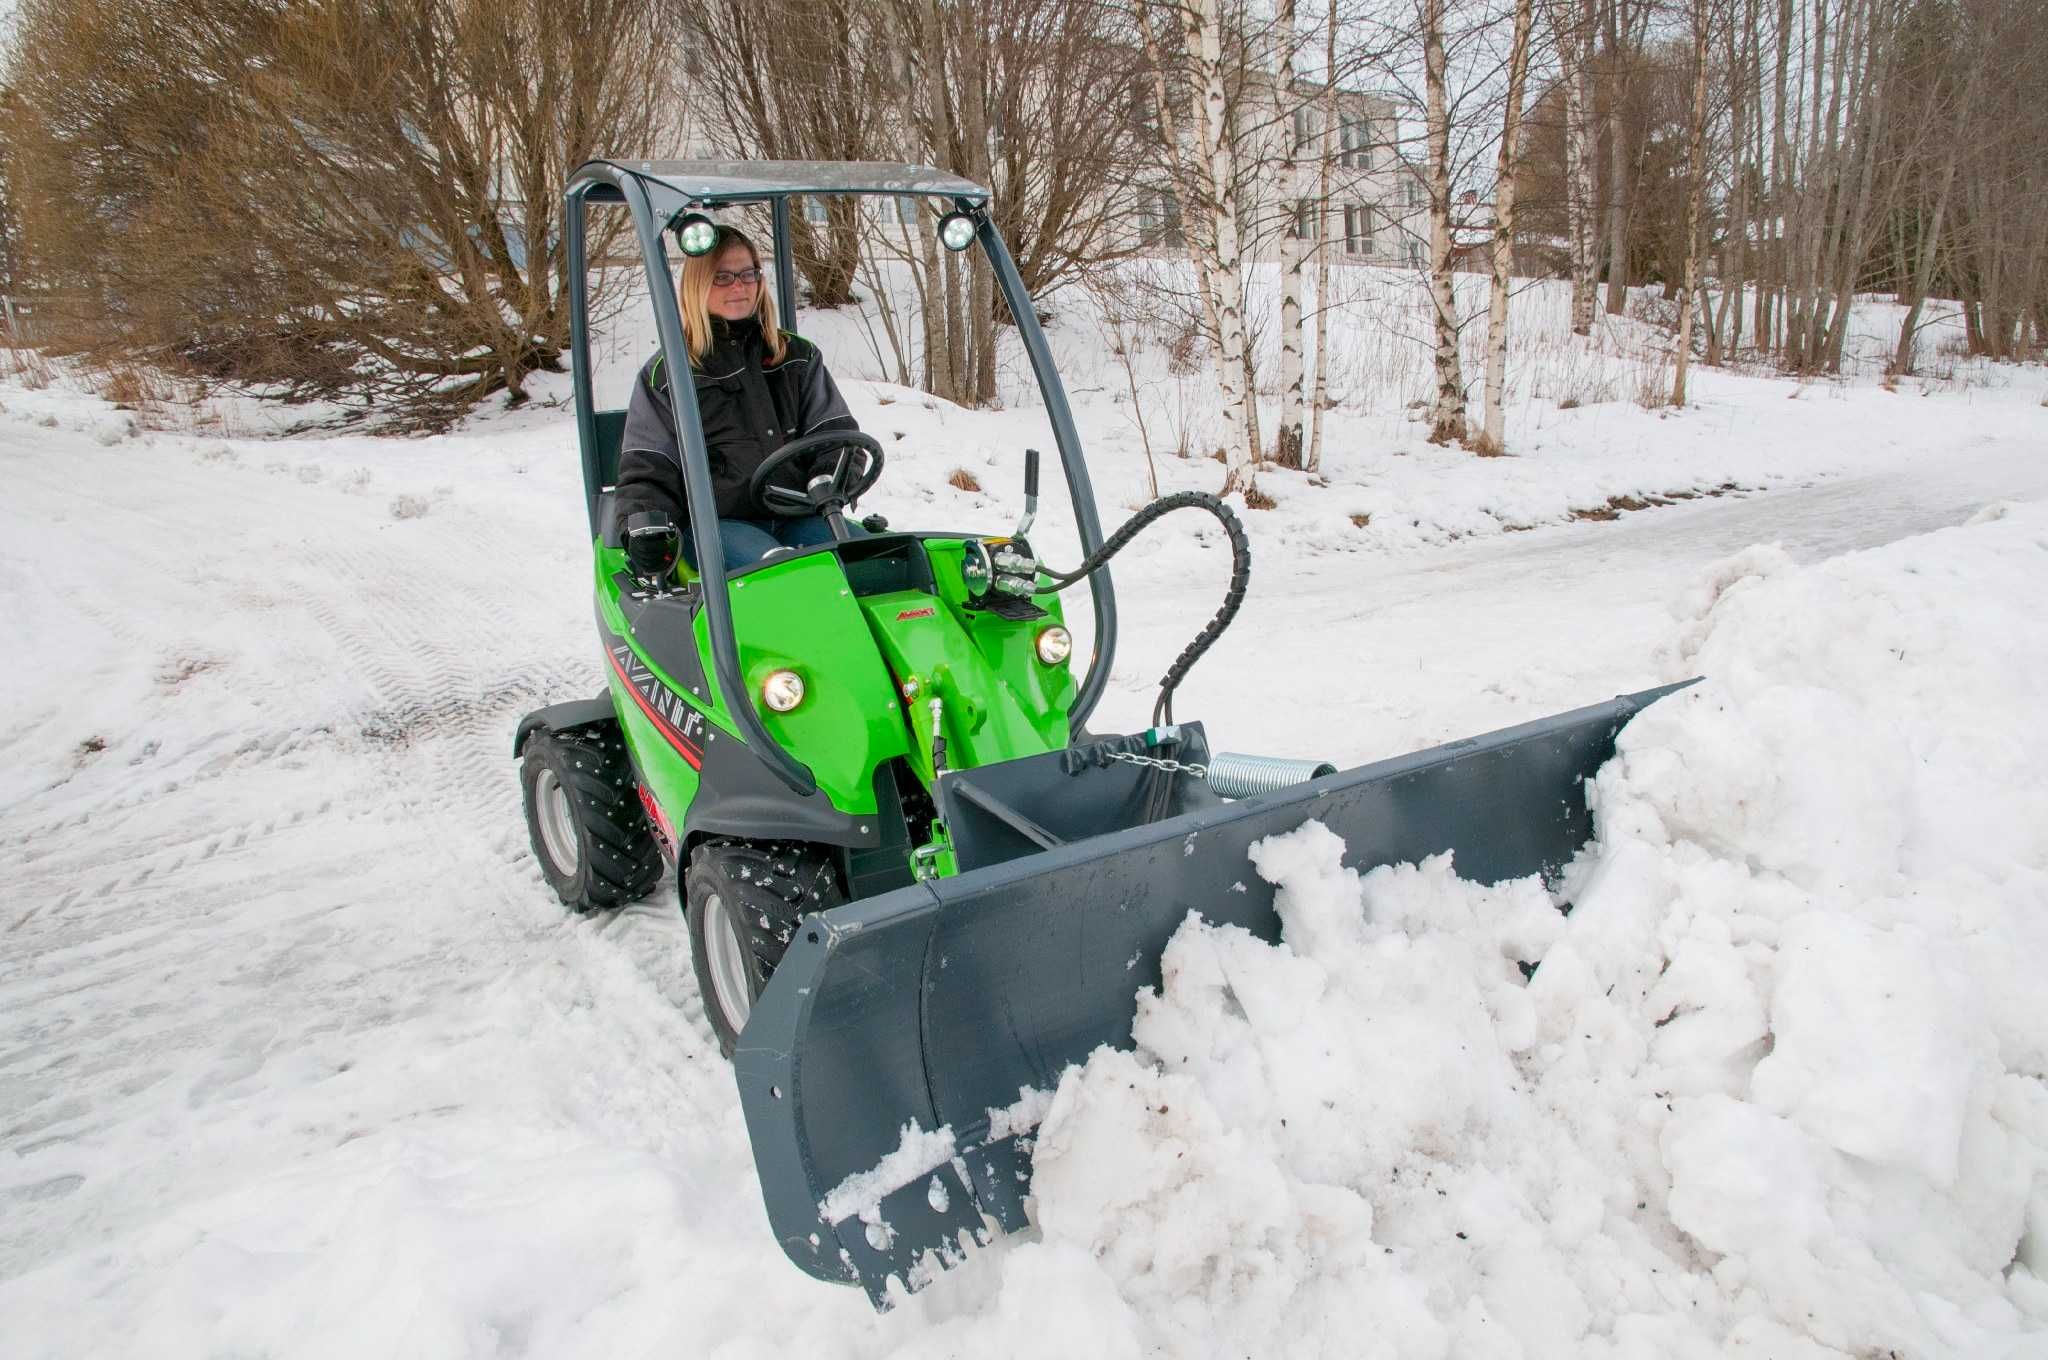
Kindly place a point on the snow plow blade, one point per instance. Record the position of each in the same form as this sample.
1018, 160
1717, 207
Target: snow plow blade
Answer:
936, 1004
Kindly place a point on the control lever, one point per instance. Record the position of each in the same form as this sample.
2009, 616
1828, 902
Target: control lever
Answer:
1030, 493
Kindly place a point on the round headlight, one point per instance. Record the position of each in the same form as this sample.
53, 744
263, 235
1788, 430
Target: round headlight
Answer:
956, 231
1055, 644
697, 234
783, 691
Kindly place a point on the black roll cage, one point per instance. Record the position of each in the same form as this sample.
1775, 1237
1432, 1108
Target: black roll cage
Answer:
656, 193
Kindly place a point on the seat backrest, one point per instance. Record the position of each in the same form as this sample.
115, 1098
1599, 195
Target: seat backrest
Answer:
611, 431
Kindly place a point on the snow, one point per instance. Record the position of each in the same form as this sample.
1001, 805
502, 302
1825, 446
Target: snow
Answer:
298, 1056
1021, 1116
861, 1194
1765, 1077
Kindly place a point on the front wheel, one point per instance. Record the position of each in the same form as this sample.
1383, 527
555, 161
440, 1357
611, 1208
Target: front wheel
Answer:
743, 900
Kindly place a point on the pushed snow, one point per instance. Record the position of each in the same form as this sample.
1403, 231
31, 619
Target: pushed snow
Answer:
1774, 1089
1024, 1114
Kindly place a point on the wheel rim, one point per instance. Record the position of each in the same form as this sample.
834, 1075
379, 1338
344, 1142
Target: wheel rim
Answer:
557, 823
731, 982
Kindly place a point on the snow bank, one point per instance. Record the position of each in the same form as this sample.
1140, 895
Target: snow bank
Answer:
1775, 1088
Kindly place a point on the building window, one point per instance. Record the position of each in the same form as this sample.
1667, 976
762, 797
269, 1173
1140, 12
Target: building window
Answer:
814, 210
1415, 254
1144, 118
1159, 219
906, 211
1307, 127
1357, 142
1308, 219
1357, 229
1414, 193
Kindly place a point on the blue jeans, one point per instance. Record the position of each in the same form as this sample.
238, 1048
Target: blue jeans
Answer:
747, 541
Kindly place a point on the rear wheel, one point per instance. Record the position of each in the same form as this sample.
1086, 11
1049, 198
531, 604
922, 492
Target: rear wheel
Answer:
584, 818
743, 900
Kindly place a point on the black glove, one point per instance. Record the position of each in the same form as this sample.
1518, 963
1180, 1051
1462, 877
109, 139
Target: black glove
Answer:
652, 546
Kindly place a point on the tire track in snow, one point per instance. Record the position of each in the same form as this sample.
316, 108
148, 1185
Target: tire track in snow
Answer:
209, 941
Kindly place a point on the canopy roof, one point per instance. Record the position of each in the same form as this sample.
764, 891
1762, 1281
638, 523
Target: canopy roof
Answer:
737, 181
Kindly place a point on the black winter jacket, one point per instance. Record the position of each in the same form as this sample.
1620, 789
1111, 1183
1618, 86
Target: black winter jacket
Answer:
749, 410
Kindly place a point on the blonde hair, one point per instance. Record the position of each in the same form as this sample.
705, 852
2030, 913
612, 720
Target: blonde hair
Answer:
694, 290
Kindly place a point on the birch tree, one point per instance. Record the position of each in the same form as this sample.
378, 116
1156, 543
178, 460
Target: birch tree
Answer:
1320, 398
1447, 415
1302, 223
1193, 42
1493, 438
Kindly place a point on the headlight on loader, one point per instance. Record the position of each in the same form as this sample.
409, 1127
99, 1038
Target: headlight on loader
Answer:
1055, 644
783, 690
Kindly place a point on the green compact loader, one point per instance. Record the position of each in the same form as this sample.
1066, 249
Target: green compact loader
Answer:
917, 886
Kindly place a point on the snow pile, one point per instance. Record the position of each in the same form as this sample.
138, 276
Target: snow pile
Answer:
1775, 1089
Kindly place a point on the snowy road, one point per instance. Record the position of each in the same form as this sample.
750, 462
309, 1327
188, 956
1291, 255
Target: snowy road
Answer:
298, 1055
1494, 631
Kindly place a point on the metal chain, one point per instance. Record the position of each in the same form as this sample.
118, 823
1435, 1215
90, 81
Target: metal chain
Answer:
1156, 763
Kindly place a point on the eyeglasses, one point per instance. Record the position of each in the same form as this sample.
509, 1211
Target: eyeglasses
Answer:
726, 278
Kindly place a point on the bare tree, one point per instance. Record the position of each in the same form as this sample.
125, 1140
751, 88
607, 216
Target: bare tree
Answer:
1696, 169
1304, 223
1571, 23
1970, 51
1447, 416
1623, 24
1493, 439
799, 81
1320, 394
1210, 180
345, 198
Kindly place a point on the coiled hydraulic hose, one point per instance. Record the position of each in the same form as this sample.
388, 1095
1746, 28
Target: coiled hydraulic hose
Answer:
1233, 598
1159, 793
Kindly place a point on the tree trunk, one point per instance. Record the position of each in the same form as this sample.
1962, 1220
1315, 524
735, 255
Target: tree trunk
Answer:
1874, 82
1923, 262
1695, 198
1770, 314
1288, 439
1494, 438
1202, 35
1447, 419
1570, 21
1619, 189
1320, 399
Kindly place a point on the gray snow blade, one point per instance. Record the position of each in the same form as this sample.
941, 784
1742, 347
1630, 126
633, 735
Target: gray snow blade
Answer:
936, 1003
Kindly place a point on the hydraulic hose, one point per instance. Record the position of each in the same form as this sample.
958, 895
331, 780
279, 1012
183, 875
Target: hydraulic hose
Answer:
1233, 598
1159, 793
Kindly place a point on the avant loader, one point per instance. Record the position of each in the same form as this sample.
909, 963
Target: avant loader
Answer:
917, 885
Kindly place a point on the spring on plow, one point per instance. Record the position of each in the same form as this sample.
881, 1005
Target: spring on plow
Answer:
1240, 776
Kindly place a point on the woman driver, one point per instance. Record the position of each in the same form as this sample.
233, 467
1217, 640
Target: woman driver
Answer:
758, 387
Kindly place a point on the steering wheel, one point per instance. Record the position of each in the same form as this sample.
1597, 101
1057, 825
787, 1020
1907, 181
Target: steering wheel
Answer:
847, 486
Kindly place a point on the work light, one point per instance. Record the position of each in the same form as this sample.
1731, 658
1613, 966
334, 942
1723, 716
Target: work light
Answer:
956, 231
697, 234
